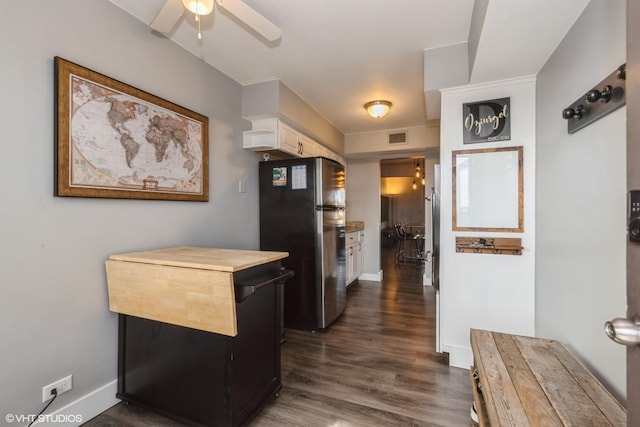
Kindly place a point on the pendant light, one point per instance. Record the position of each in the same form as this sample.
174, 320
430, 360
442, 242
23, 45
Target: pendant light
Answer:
417, 174
198, 8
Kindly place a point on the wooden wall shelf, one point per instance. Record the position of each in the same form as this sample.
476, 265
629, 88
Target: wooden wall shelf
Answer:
489, 245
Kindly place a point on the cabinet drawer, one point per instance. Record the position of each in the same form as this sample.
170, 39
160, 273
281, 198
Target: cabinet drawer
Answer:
351, 238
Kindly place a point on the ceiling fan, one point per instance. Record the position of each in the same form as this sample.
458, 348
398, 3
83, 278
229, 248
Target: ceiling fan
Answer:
172, 10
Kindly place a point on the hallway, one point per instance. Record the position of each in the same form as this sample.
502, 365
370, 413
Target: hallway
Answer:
375, 366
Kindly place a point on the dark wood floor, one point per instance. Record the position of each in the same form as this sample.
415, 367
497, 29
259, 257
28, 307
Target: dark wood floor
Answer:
375, 366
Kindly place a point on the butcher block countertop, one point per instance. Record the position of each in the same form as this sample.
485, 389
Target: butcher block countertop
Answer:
184, 286
352, 226
230, 260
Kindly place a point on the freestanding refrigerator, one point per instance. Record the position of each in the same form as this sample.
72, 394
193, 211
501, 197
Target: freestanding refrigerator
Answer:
302, 212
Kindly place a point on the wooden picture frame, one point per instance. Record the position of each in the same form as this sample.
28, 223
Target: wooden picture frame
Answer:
488, 190
116, 141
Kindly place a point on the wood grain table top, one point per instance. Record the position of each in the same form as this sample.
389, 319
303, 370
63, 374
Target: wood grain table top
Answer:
535, 381
229, 260
186, 286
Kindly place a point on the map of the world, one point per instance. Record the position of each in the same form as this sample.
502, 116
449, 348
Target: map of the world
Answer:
121, 142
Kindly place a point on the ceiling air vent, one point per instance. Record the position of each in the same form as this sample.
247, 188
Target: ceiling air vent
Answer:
397, 138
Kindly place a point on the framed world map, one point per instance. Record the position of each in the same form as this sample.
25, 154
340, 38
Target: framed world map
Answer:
116, 141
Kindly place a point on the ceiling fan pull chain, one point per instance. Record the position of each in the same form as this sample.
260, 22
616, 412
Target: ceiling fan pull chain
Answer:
198, 19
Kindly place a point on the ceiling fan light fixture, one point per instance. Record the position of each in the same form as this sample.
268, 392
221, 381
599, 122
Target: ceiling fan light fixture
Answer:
378, 108
199, 7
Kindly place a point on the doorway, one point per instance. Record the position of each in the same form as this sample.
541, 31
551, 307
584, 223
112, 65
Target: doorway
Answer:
401, 185
405, 184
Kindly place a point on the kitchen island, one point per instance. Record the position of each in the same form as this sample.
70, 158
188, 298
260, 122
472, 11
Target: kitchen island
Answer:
199, 331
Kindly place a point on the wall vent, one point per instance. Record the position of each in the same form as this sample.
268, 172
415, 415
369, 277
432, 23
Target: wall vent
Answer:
397, 138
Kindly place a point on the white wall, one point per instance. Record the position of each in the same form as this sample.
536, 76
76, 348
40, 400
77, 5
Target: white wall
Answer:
420, 139
581, 201
54, 318
274, 99
363, 204
494, 292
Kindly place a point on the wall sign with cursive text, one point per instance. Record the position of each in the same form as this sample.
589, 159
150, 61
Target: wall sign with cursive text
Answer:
486, 121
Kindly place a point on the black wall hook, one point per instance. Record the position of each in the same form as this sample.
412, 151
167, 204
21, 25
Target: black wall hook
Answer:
611, 94
594, 95
573, 113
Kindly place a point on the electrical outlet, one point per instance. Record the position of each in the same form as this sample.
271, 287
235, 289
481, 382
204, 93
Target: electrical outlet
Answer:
61, 386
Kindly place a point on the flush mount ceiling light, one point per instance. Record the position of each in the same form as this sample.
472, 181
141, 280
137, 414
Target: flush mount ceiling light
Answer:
377, 109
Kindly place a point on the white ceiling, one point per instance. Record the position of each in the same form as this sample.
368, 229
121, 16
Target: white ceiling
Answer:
339, 54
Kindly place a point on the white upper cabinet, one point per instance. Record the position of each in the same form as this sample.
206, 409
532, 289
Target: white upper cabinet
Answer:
269, 135
287, 140
308, 147
274, 135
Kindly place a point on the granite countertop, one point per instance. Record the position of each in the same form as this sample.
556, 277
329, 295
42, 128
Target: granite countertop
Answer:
352, 226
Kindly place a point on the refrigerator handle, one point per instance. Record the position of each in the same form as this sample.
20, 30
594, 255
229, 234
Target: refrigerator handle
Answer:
329, 208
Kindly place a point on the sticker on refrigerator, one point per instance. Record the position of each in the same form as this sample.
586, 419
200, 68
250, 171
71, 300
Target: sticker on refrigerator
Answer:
279, 177
299, 177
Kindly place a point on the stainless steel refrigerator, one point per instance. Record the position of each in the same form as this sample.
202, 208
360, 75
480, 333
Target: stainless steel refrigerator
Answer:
302, 212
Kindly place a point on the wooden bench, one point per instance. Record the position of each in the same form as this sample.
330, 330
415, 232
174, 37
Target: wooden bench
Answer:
525, 381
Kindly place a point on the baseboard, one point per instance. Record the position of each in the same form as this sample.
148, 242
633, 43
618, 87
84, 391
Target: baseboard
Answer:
83, 409
459, 357
371, 277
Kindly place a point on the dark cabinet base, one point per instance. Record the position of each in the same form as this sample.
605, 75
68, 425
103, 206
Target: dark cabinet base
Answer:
203, 378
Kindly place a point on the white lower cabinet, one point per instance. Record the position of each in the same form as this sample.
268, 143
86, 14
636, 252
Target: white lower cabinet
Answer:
354, 243
350, 263
360, 256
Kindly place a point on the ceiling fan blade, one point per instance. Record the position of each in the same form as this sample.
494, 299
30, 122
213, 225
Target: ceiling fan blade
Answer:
168, 16
253, 19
